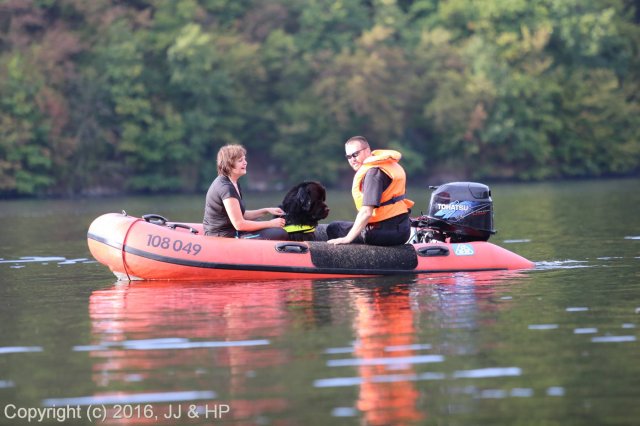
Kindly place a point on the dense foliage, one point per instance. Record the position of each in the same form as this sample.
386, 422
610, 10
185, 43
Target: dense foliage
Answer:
138, 95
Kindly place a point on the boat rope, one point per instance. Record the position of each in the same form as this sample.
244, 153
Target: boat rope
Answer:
124, 244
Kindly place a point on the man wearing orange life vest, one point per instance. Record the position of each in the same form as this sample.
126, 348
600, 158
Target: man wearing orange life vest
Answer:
379, 193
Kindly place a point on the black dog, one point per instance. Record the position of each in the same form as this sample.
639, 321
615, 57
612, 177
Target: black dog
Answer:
304, 206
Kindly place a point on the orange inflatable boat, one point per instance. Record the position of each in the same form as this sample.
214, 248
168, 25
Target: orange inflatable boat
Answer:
152, 248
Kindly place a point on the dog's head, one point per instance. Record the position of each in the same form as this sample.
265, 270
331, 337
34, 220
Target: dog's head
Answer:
305, 204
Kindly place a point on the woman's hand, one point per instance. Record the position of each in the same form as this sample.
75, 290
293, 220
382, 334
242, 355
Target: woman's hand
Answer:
276, 211
277, 222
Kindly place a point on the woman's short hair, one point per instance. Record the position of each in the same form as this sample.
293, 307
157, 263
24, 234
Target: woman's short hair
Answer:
227, 156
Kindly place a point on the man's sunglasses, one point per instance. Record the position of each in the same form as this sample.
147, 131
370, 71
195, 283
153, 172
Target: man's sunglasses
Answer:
354, 155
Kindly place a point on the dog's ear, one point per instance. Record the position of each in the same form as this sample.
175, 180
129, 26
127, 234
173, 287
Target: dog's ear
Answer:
303, 198
320, 191
291, 196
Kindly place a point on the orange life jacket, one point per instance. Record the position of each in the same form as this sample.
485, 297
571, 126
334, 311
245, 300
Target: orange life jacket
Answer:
392, 202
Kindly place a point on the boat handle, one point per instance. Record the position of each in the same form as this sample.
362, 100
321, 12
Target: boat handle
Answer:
291, 248
433, 251
183, 226
156, 219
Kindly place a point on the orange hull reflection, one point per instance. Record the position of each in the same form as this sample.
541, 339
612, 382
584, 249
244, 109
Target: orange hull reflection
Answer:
156, 334
388, 342
384, 328
230, 339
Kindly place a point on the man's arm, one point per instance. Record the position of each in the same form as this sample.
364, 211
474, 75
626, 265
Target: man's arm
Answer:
375, 182
362, 219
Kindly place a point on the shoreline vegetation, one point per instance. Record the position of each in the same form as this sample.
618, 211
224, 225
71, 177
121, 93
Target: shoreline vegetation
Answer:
135, 97
417, 187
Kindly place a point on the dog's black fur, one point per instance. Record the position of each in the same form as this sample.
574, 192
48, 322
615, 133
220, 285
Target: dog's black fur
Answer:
305, 204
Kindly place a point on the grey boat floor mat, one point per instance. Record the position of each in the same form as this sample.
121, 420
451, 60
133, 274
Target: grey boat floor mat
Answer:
362, 256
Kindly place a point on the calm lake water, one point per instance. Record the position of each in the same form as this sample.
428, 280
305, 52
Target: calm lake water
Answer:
557, 345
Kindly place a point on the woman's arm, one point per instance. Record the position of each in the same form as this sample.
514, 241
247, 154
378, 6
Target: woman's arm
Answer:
232, 206
254, 214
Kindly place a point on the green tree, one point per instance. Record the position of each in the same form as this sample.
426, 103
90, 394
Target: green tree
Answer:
147, 131
139, 95
25, 157
216, 81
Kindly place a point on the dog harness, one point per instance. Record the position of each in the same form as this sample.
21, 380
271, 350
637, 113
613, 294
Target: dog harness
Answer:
292, 229
393, 201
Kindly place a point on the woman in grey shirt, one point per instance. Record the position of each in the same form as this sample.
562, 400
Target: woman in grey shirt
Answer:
225, 214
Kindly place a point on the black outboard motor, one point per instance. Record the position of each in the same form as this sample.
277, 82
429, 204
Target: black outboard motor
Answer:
461, 212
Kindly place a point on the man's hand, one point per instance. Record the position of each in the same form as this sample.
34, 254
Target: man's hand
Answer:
336, 241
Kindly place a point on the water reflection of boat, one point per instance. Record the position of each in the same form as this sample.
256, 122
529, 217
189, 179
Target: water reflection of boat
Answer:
244, 342
180, 336
385, 330
153, 249
392, 352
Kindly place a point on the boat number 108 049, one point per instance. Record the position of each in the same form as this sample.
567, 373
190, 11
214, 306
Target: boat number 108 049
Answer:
175, 245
